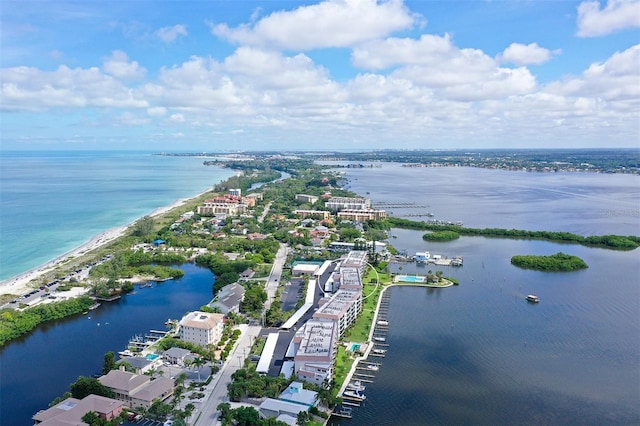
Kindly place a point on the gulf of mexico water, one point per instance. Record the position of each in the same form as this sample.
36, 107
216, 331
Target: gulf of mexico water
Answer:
52, 202
478, 353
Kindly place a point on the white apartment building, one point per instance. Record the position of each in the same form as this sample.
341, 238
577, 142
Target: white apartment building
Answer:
201, 328
316, 344
362, 215
348, 203
343, 308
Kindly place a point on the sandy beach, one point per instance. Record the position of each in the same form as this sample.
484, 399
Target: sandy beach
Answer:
21, 283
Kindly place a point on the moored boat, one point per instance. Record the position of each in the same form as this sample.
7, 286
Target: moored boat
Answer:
354, 394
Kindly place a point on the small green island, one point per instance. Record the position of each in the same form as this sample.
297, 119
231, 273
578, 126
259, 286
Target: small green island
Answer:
559, 262
441, 236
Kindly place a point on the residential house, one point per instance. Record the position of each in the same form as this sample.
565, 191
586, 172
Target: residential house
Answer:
70, 411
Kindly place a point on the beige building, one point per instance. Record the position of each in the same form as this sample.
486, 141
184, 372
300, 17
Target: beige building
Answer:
306, 198
343, 308
348, 278
355, 259
362, 215
316, 214
210, 208
201, 328
70, 411
137, 390
316, 348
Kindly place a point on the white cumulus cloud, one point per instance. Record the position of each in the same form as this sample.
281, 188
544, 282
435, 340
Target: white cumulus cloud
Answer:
332, 23
119, 66
526, 54
617, 15
169, 34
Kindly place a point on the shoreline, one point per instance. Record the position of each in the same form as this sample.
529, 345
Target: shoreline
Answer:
19, 284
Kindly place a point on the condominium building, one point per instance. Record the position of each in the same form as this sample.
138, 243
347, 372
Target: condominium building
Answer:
306, 198
201, 328
318, 214
362, 215
355, 259
348, 278
210, 208
348, 203
316, 344
342, 308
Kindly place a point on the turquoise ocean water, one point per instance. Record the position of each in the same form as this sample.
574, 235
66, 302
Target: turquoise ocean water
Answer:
52, 202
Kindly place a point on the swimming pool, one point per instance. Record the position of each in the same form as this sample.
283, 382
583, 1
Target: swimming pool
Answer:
410, 279
354, 347
152, 357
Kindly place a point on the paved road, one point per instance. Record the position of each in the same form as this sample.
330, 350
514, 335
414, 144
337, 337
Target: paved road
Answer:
207, 414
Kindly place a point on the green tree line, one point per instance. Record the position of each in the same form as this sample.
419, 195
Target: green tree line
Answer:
618, 242
15, 323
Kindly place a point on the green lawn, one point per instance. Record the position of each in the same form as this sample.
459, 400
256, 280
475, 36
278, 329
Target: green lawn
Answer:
343, 365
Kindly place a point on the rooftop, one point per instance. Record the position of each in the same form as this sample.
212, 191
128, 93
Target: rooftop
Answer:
203, 320
317, 338
339, 303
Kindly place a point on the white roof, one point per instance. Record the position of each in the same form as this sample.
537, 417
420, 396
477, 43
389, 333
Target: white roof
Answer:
267, 353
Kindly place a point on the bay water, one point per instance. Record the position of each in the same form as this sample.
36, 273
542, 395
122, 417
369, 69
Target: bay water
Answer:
478, 353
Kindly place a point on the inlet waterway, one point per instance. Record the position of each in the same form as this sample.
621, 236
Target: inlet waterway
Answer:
41, 365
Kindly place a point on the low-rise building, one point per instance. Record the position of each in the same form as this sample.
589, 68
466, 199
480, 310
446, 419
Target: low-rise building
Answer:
137, 390
318, 214
70, 411
176, 356
304, 198
297, 394
274, 408
348, 203
201, 328
362, 215
229, 297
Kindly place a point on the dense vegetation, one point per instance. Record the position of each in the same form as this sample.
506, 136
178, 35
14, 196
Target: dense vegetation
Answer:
15, 323
618, 242
441, 236
249, 383
559, 262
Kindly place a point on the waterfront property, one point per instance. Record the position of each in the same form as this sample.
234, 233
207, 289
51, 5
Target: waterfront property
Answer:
362, 215
343, 308
228, 298
297, 394
315, 346
71, 410
275, 408
176, 356
348, 203
201, 328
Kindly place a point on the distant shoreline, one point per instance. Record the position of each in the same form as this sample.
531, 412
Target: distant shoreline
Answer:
19, 284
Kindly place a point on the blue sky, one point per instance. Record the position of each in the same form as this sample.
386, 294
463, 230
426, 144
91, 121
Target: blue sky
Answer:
314, 75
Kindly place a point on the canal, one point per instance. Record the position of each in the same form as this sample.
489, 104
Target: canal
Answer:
41, 365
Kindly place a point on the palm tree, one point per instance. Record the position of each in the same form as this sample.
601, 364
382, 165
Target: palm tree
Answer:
198, 362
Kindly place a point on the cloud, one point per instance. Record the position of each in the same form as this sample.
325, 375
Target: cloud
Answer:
616, 79
526, 54
332, 23
156, 111
434, 62
118, 65
617, 15
28, 88
169, 34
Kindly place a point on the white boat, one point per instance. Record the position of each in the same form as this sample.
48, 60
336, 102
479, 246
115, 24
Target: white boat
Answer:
354, 394
356, 386
379, 351
379, 339
533, 298
373, 367
382, 322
